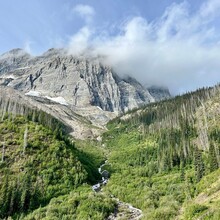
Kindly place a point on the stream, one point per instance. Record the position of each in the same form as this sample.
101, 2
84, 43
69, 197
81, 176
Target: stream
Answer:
129, 211
105, 176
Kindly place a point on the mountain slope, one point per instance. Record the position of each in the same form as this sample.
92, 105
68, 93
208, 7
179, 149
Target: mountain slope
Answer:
205, 205
80, 127
30, 167
160, 156
40, 167
82, 93
80, 82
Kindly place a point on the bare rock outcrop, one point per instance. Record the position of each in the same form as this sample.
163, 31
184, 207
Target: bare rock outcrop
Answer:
81, 82
67, 86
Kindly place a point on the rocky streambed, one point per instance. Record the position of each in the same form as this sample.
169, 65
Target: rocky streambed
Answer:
122, 210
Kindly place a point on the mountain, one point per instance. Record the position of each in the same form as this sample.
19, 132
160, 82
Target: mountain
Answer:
163, 160
166, 157
77, 82
17, 103
39, 164
82, 86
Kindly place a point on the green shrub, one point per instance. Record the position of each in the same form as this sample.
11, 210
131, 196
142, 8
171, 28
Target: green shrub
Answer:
194, 210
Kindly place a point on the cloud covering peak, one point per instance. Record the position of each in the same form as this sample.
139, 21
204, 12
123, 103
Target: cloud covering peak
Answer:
179, 50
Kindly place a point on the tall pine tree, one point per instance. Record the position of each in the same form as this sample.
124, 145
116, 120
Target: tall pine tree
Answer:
199, 165
212, 158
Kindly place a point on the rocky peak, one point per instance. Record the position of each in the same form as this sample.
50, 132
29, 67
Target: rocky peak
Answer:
81, 82
54, 52
15, 54
159, 92
12, 60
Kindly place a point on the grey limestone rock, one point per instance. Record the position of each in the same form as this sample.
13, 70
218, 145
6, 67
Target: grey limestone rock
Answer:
81, 82
81, 92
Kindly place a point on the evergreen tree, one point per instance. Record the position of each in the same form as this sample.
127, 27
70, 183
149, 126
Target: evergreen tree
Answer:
26, 194
3, 152
212, 158
15, 198
182, 172
199, 165
5, 197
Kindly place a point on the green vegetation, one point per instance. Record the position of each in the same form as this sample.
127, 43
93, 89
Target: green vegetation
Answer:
79, 204
160, 154
40, 167
163, 158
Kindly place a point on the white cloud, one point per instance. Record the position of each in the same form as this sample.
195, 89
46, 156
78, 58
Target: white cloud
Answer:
27, 46
210, 8
79, 43
85, 11
180, 50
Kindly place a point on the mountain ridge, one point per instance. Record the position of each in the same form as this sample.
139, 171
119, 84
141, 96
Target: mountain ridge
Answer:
66, 86
160, 159
94, 83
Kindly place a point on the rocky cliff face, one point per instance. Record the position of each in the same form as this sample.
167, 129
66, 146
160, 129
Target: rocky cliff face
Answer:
82, 93
79, 83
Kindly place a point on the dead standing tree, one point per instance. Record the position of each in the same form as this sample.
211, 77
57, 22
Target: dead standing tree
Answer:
25, 139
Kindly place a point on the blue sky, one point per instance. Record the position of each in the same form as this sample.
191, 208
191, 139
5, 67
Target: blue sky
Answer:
43, 24
174, 43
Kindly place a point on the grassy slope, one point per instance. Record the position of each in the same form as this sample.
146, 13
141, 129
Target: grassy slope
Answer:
51, 180
161, 194
79, 204
52, 173
158, 195
205, 204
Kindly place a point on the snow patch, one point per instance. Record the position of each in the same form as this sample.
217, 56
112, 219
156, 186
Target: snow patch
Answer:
99, 108
33, 93
8, 77
59, 100
23, 68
